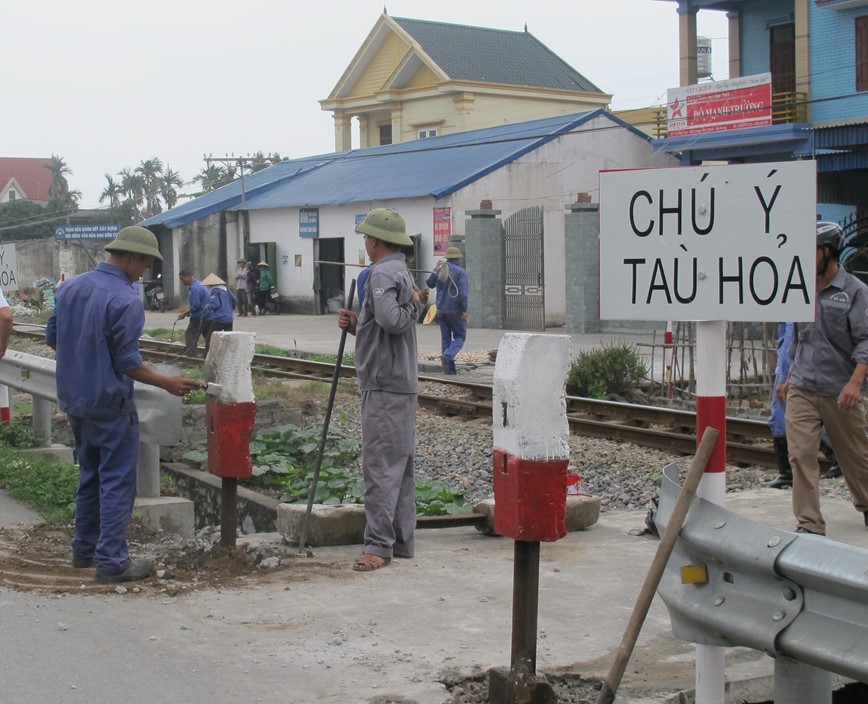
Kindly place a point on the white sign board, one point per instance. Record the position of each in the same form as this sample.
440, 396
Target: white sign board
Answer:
8, 268
709, 243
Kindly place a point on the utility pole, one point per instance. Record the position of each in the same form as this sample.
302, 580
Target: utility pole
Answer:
240, 162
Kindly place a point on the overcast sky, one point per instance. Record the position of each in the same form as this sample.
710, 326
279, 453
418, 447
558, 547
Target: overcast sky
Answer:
105, 84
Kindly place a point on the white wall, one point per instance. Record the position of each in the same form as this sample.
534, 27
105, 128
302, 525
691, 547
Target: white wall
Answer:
550, 176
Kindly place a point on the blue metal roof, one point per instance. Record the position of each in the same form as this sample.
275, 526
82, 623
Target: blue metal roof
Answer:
227, 196
435, 167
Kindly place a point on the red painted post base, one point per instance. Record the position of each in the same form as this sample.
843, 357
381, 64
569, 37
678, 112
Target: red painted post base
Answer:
529, 498
229, 427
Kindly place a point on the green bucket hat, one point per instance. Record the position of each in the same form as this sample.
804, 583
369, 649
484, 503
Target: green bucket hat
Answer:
137, 240
385, 224
453, 253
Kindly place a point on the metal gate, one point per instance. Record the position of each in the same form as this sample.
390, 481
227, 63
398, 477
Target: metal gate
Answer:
524, 302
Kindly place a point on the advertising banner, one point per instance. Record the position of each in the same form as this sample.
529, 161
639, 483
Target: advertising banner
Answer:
442, 230
721, 105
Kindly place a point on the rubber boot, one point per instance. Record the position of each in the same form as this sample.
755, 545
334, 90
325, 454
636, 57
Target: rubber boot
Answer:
826, 449
785, 471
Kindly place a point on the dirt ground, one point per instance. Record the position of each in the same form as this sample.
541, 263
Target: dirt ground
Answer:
37, 558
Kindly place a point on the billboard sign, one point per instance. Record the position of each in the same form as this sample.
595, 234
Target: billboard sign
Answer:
86, 232
721, 105
709, 243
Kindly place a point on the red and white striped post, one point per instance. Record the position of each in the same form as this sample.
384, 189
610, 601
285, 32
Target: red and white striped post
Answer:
711, 413
5, 410
668, 355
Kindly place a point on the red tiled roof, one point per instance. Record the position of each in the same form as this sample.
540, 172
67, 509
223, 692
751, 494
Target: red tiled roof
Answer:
31, 175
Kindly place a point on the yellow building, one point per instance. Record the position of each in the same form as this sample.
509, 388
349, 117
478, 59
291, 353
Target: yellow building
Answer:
413, 79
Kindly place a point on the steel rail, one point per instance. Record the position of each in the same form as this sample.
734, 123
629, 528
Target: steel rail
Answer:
662, 428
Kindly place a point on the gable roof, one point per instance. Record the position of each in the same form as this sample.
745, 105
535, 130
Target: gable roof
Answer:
461, 53
30, 174
435, 167
501, 56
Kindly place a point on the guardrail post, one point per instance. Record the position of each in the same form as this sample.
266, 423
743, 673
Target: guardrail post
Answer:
42, 420
797, 683
148, 471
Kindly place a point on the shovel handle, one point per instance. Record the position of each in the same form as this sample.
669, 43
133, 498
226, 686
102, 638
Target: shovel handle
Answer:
658, 565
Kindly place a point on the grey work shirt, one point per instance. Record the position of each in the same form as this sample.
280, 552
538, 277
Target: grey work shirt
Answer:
386, 356
826, 352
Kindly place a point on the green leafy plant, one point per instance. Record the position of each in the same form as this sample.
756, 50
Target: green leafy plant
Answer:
285, 458
47, 486
17, 433
435, 499
611, 369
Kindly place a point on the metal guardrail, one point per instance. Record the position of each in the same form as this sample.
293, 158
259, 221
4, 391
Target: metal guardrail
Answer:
802, 597
160, 413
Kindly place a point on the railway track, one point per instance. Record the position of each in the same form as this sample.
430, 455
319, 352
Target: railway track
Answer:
667, 429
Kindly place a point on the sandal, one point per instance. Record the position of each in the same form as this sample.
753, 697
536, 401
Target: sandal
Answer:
368, 562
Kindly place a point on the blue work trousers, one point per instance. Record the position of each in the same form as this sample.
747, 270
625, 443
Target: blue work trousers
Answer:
453, 333
107, 452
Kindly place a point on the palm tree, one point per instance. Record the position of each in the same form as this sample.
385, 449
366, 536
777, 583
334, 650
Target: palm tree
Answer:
58, 190
151, 171
169, 185
111, 193
211, 177
133, 187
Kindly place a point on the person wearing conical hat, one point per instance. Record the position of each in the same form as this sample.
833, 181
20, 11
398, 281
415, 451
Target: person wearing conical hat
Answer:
95, 329
200, 313
388, 371
450, 281
223, 302
266, 283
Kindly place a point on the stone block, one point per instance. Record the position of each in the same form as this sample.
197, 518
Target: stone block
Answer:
170, 514
343, 524
583, 511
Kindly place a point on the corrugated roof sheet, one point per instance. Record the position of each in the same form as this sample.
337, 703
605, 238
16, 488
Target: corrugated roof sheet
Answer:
230, 194
494, 56
433, 167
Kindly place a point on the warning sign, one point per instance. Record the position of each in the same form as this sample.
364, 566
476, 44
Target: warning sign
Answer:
709, 243
8, 268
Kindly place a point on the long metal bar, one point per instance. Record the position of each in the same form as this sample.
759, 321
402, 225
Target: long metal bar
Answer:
228, 511
525, 609
302, 534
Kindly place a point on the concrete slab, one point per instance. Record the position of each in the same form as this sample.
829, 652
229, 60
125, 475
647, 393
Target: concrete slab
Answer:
170, 514
319, 632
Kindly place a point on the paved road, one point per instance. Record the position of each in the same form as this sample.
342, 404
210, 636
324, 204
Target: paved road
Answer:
321, 633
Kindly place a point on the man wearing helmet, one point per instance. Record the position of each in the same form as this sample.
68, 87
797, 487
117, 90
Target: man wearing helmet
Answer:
825, 385
95, 329
388, 371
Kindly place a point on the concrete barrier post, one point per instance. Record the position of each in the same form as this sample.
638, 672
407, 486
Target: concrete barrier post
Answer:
531, 453
42, 420
230, 413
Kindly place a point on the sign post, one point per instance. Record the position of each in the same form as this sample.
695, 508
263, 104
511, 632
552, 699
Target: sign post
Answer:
709, 244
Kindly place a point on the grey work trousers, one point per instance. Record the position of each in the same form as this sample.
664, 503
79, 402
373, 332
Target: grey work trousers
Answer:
807, 414
388, 448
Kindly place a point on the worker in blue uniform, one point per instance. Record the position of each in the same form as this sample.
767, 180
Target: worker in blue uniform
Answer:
222, 304
450, 281
95, 329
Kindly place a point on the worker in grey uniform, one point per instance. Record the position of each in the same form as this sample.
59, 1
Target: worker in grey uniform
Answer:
826, 383
387, 369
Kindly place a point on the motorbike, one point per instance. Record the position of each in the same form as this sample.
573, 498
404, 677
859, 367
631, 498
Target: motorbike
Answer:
154, 295
272, 303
